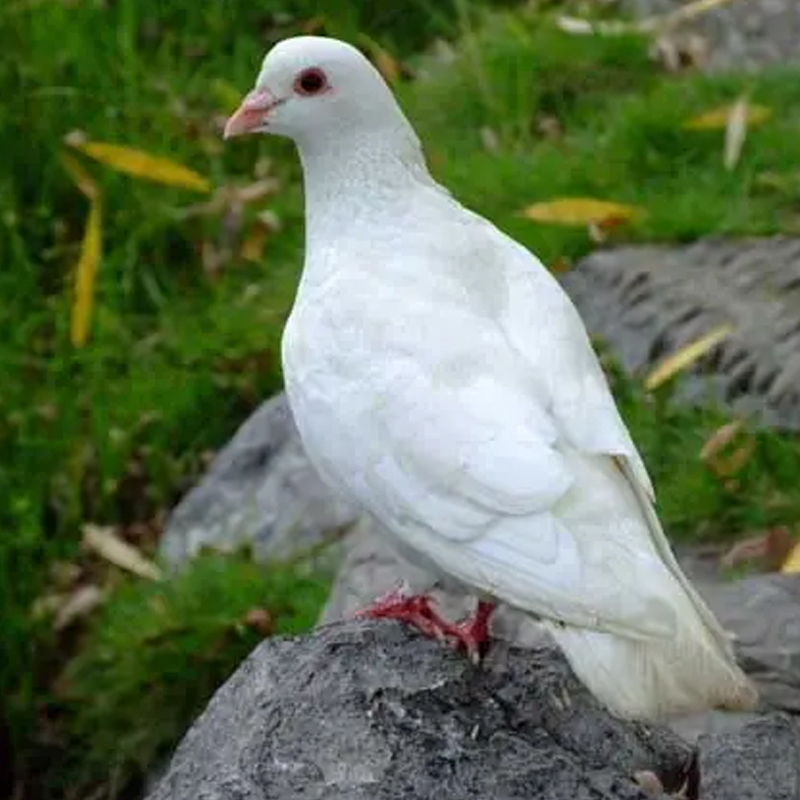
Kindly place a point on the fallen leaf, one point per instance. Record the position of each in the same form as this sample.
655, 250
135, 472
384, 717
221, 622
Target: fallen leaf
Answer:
79, 604
313, 25
85, 274
109, 546
770, 548
560, 265
252, 248
735, 133
791, 563
719, 118
582, 211
489, 139
649, 782
578, 26
713, 451
684, 357
140, 164
83, 180
676, 53
259, 619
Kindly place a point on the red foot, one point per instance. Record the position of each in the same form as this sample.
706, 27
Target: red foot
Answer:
472, 634
414, 609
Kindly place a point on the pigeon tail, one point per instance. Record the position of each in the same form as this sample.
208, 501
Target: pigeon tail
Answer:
650, 679
640, 679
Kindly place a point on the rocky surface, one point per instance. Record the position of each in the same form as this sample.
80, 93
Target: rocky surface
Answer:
739, 34
726, 763
374, 711
645, 302
260, 489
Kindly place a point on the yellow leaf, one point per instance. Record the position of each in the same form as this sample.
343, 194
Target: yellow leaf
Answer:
582, 211
85, 272
143, 165
735, 133
252, 248
792, 562
686, 356
107, 544
719, 118
83, 180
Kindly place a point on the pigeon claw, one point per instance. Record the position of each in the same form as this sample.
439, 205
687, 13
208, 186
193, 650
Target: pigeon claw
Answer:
472, 635
414, 609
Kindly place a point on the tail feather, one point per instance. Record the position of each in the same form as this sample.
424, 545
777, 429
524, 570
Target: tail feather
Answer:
639, 678
650, 680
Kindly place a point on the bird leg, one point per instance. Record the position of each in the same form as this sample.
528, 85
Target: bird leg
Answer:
414, 609
472, 634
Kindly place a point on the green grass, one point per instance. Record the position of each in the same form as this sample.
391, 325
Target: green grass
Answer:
114, 433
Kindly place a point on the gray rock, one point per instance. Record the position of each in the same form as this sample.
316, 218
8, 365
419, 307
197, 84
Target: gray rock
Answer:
744, 34
760, 762
763, 612
260, 489
374, 711
646, 302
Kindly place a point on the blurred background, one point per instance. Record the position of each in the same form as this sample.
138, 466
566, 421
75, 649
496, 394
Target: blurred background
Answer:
148, 267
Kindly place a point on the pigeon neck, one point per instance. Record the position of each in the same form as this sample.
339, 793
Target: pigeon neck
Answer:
359, 177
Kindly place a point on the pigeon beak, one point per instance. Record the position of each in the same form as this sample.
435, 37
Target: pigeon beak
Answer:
251, 114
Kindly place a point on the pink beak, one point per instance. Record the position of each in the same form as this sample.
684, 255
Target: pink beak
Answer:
251, 114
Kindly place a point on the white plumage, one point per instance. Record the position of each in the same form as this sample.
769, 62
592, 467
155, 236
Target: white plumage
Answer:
440, 375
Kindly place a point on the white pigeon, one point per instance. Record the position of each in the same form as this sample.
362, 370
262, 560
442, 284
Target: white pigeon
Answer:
441, 377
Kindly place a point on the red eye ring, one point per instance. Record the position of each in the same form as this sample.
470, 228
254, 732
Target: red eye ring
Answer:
310, 82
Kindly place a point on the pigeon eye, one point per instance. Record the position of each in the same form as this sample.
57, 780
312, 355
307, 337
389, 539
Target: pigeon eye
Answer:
310, 82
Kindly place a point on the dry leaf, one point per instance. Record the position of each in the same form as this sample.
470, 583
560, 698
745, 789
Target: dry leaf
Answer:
259, 619
584, 27
85, 273
83, 180
560, 265
718, 118
770, 548
713, 455
649, 782
109, 546
489, 139
140, 164
791, 562
684, 357
582, 211
80, 603
313, 25
252, 248
735, 133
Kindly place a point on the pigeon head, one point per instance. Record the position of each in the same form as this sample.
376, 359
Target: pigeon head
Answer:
315, 89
